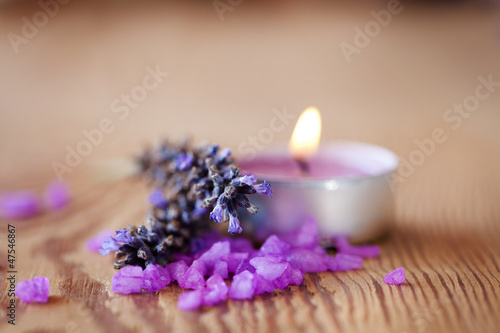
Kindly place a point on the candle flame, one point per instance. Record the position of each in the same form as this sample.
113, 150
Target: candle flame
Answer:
305, 138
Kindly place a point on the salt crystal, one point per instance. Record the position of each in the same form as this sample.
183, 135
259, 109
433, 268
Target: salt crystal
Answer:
216, 290
34, 290
190, 300
244, 266
176, 270
57, 195
289, 276
240, 244
274, 245
200, 264
397, 276
262, 285
268, 268
306, 237
319, 250
331, 263
365, 251
233, 260
269, 258
155, 278
243, 286
192, 279
296, 277
128, 280
347, 262
307, 260
220, 268
188, 260
215, 253
283, 280
19, 205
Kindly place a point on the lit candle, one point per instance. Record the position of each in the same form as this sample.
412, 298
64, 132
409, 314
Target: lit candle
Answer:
305, 138
343, 184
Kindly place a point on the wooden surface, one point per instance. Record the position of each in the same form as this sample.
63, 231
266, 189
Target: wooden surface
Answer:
226, 77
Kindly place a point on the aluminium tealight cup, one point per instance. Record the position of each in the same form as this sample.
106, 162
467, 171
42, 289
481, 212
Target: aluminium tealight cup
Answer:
359, 206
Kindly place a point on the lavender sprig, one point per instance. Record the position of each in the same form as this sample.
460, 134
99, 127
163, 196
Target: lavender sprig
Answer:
190, 186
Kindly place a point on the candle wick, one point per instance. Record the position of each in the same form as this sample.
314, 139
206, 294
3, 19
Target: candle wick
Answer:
303, 165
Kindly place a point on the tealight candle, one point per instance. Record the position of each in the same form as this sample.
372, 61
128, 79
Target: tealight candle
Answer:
343, 184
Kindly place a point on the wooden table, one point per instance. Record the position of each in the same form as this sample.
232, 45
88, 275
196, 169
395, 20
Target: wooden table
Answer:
225, 79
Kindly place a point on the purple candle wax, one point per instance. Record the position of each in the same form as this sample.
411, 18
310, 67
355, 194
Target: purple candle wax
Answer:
339, 160
284, 167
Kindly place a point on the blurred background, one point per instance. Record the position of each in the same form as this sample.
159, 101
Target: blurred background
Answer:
221, 71
83, 81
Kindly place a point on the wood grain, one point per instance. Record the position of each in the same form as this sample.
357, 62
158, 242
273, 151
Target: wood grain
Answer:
446, 228
453, 281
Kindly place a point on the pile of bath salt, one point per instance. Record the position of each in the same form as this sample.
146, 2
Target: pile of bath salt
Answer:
281, 261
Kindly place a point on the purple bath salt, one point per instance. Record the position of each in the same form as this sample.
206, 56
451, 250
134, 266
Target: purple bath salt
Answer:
200, 264
34, 290
155, 278
243, 286
94, 243
307, 260
306, 237
262, 285
268, 267
290, 276
244, 266
233, 260
188, 260
57, 195
190, 300
215, 253
331, 263
216, 290
176, 270
280, 262
220, 268
19, 205
241, 244
283, 280
365, 251
128, 280
274, 245
192, 279
296, 277
397, 276
347, 262
320, 250
274, 258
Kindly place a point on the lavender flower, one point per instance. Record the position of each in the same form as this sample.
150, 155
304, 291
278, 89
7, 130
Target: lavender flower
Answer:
113, 244
234, 225
235, 192
247, 180
218, 214
264, 188
222, 156
197, 182
157, 199
184, 162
